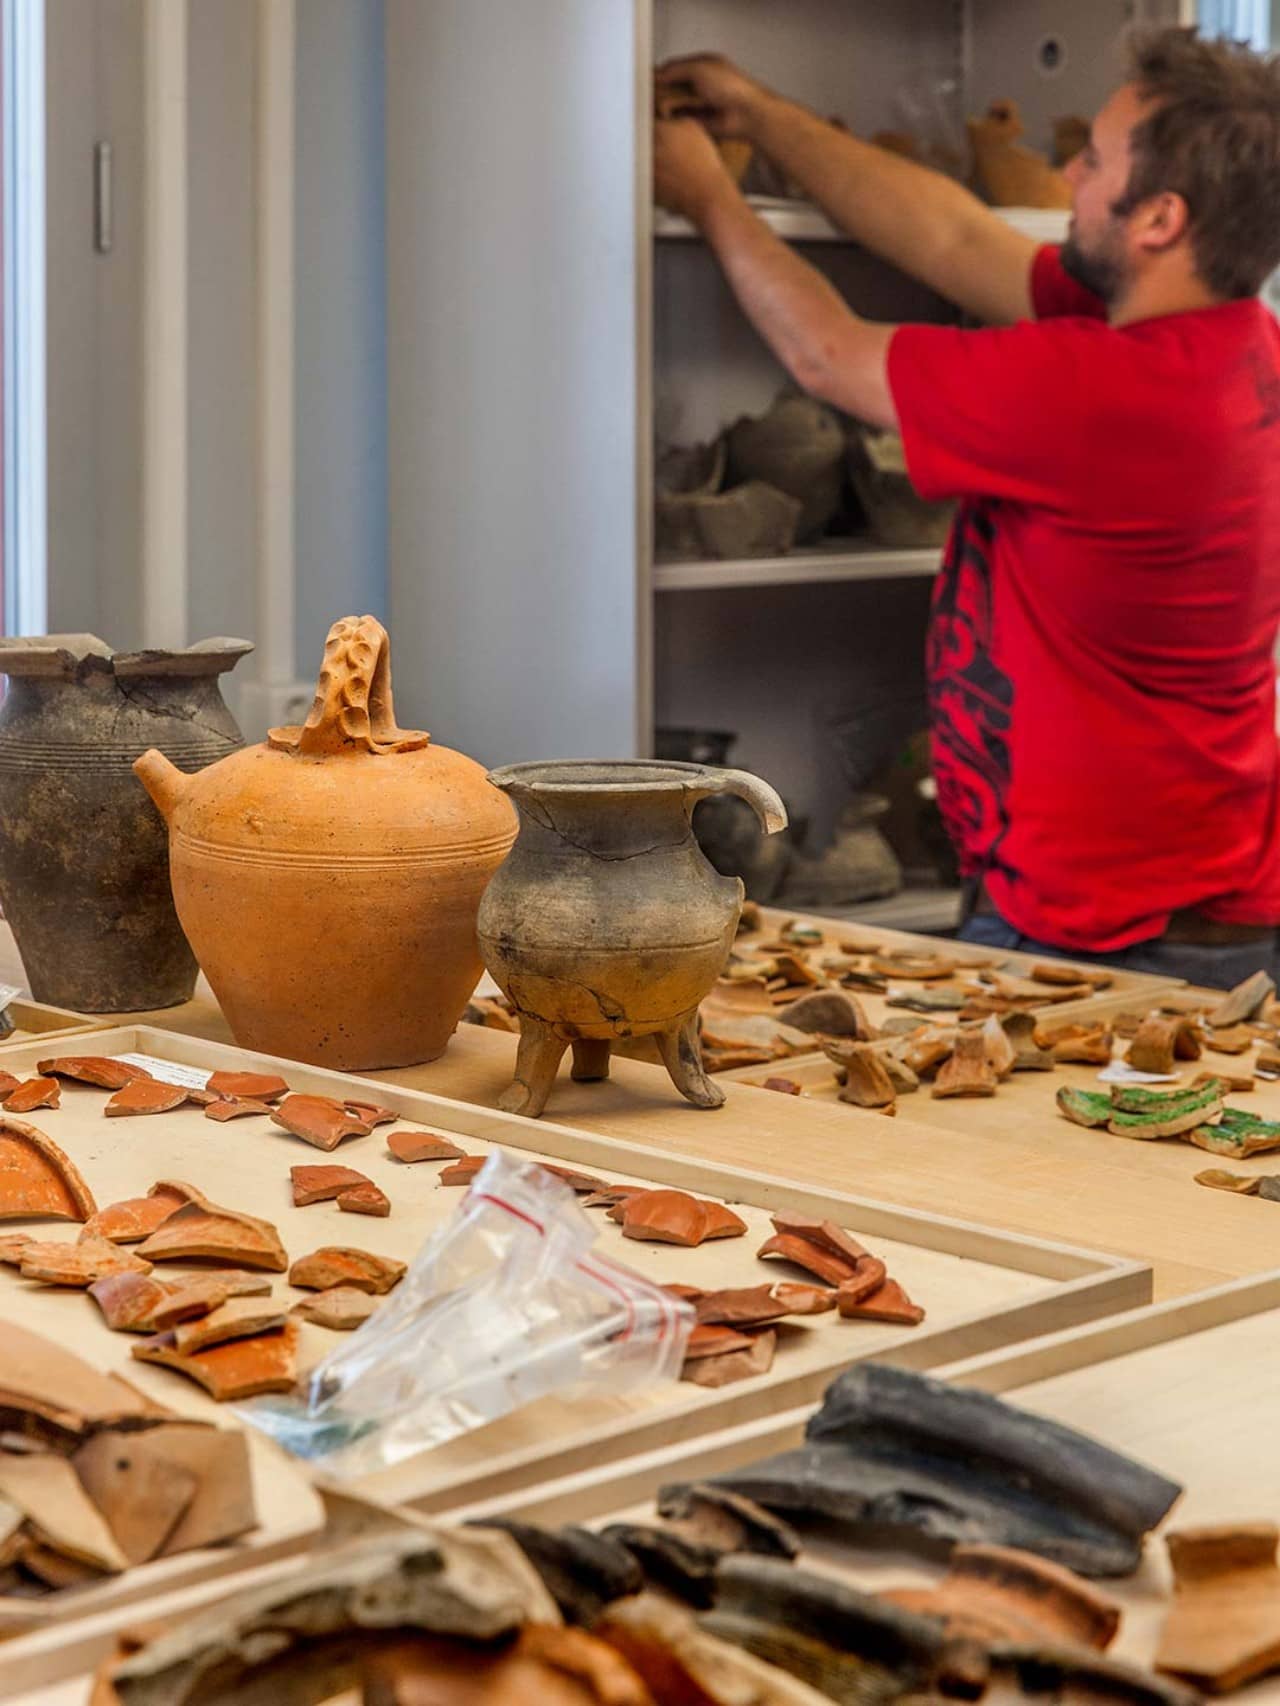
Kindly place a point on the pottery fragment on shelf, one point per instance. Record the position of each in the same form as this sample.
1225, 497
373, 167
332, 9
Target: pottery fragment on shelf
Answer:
119, 1483
248, 1086
925, 1462
97, 1069
1161, 1039
202, 1230
583, 1570
78, 1264
467, 1583
128, 1300
756, 1305
675, 1217
713, 1516
1010, 173
673, 1562
62, 1516
462, 1171
680, 1659
1029, 1055
867, 1083
1081, 1045
1264, 1185
234, 1369
996, 1594
728, 1366
1001, 1055
850, 1645
322, 1184
332, 908
37, 1180
833, 1012
136, 1218
798, 448
752, 520
319, 1120
341, 1308
84, 867
1243, 1002
714, 1340
365, 1199
1132, 1110
1237, 1134
857, 1646
145, 1096
422, 1147
238, 1318
34, 1093
335, 1265
967, 1072
887, 1302
1223, 1628
606, 923
1233, 1083
224, 1108
198, 1295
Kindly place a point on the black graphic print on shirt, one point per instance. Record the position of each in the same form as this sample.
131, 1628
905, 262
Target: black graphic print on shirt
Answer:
970, 700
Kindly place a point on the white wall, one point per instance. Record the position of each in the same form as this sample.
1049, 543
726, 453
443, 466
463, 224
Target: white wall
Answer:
93, 79
96, 321
222, 400
512, 336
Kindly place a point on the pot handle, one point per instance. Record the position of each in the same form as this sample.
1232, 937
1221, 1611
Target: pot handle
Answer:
762, 799
352, 709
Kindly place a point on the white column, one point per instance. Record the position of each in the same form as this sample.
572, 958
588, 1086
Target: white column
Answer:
25, 417
164, 460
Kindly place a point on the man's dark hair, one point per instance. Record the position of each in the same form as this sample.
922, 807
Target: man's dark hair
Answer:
1214, 139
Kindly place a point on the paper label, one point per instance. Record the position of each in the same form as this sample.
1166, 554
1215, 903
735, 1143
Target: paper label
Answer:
168, 1071
1120, 1072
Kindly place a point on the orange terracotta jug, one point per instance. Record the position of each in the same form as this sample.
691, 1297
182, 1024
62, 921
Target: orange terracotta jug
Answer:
328, 880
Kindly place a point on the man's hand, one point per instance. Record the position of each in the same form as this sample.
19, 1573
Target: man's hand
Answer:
688, 172
710, 88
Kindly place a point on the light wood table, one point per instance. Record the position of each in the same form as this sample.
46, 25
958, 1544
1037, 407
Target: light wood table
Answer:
1011, 1162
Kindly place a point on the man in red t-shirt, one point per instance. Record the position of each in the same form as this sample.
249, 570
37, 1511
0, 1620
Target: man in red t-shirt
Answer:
1101, 647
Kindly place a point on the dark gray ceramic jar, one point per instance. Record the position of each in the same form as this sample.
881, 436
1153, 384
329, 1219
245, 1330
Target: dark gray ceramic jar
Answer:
84, 855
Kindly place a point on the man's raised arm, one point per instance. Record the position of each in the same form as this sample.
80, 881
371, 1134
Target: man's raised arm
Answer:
917, 219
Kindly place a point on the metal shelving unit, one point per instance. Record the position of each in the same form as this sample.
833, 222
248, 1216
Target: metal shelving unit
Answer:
801, 222
830, 561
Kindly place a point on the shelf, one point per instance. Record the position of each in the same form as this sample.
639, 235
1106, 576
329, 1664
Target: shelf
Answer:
801, 568
801, 222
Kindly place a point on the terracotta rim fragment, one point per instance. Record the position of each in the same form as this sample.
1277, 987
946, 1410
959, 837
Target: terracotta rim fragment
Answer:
37, 1178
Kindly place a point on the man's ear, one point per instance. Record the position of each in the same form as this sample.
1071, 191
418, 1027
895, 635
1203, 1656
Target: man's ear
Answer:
1161, 221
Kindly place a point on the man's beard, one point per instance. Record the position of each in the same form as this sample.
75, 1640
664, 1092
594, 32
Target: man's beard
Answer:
1099, 270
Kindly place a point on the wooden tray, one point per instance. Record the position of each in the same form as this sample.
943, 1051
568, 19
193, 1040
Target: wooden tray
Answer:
34, 1019
981, 1288
1190, 1387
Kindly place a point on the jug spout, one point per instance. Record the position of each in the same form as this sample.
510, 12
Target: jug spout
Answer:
162, 779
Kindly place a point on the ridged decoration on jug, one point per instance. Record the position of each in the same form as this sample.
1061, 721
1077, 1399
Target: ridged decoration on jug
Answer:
347, 783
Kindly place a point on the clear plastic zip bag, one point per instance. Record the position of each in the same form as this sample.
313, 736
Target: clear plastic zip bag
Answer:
505, 1303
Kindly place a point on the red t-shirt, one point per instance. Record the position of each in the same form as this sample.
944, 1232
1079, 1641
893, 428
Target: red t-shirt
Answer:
1101, 646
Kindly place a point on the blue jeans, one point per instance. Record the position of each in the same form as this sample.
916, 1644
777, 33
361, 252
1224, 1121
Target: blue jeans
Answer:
1218, 967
